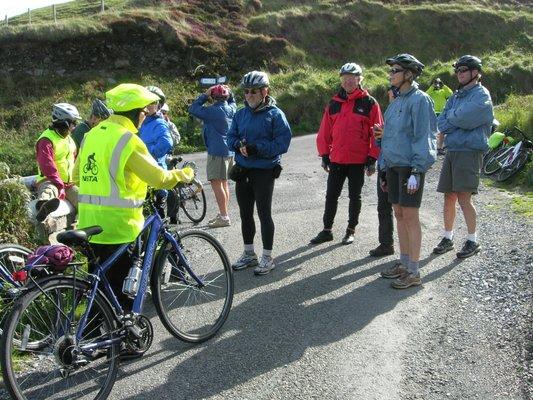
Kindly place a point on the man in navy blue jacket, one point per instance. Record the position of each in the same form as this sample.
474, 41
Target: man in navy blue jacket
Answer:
217, 119
259, 134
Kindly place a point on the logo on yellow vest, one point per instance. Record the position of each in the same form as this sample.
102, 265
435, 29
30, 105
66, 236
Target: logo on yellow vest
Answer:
92, 167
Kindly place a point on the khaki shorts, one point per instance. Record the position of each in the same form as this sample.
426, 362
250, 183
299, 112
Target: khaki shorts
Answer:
460, 172
218, 167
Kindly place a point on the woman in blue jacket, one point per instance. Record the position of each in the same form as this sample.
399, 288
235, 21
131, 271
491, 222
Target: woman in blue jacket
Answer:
155, 133
259, 134
408, 146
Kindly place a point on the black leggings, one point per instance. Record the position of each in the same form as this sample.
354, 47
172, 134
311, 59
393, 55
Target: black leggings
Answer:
256, 188
337, 175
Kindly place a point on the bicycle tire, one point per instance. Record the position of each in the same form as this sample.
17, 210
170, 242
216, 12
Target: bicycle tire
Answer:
44, 379
518, 163
193, 203
9, 249
170, 280
495, 162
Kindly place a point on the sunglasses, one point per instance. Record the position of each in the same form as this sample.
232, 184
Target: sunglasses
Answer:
251, 91
461, 69
393, 71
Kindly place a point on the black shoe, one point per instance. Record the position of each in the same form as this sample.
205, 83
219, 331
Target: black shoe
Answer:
382, 250
441, 152
46, 208
444, 245
349, 237
469, 249
323, 236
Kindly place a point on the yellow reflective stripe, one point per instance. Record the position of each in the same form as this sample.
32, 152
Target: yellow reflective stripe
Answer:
109, 201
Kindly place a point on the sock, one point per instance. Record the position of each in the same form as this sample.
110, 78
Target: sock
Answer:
249, 248
472, 237
267, 253
404, 259
448, 234
413, 267
224, 217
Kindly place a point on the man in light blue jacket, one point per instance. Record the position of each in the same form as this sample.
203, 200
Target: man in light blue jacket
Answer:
408, 146
217, 119
466, 123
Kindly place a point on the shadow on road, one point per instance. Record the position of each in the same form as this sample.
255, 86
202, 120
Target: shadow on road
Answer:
281, 324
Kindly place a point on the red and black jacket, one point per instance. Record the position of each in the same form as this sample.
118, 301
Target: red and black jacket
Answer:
345, 133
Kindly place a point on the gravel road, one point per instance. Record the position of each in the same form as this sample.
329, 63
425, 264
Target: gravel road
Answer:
324, 325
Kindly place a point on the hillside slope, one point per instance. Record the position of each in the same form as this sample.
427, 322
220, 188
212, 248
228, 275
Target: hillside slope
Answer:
301, 43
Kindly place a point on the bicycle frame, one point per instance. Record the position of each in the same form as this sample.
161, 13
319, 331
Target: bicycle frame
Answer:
157, 228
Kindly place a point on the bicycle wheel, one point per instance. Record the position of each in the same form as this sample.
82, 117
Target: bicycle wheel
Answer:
193, 202
518, 163
13, 256
61, 369
188, 311
494, 163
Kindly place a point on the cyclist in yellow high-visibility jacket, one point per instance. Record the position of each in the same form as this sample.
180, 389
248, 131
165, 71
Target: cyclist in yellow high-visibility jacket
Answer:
113, 170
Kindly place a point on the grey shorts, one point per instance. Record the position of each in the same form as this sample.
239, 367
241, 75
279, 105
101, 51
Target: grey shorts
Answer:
218, 167
397, 187
460, 172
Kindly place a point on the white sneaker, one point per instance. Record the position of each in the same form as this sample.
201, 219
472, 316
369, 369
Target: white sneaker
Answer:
265, 265
213, 219
219, 222
245, 260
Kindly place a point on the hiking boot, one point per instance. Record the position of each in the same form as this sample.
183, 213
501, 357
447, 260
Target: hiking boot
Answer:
245, 260
444, 245
349, 237
407, 280
382, 250
219, 222
46, 208
469, 249
265, 266
395, 271
323, 236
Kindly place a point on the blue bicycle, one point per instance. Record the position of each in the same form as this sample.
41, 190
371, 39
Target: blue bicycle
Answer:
82, 327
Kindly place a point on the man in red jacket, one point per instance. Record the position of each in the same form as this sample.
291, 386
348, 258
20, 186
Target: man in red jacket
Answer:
346, 144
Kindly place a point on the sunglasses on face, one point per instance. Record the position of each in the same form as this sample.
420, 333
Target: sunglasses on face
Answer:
461, 69
251, 91
393, 71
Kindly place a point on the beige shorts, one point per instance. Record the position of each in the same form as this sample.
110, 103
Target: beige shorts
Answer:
46, 190
218, 167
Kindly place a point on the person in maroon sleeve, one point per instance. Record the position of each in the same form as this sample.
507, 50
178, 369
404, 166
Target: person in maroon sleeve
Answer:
55, 153
346, 144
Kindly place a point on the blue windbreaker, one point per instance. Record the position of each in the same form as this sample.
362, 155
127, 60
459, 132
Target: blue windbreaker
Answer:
467, 118
155, 133
267, 128
409, 133
217, 120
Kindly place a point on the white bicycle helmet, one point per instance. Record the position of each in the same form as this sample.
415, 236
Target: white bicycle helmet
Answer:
65, 112
255, 80
351, 68
158, 92
165, 108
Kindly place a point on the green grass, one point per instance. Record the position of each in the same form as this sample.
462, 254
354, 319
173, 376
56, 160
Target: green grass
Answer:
523, 204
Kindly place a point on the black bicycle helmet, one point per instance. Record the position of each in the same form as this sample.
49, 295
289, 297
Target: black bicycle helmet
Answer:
100, 110
472, 62
407, 61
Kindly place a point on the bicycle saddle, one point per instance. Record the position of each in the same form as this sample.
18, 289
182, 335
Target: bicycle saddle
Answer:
78, 236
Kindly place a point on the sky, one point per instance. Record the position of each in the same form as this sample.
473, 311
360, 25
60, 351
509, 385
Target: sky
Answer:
12, 7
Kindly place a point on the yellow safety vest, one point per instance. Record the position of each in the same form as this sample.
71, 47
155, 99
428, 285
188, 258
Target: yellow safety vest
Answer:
64, 150
105, 198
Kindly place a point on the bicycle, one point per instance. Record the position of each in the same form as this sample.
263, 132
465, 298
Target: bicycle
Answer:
192, 287
190, 197
506, 161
